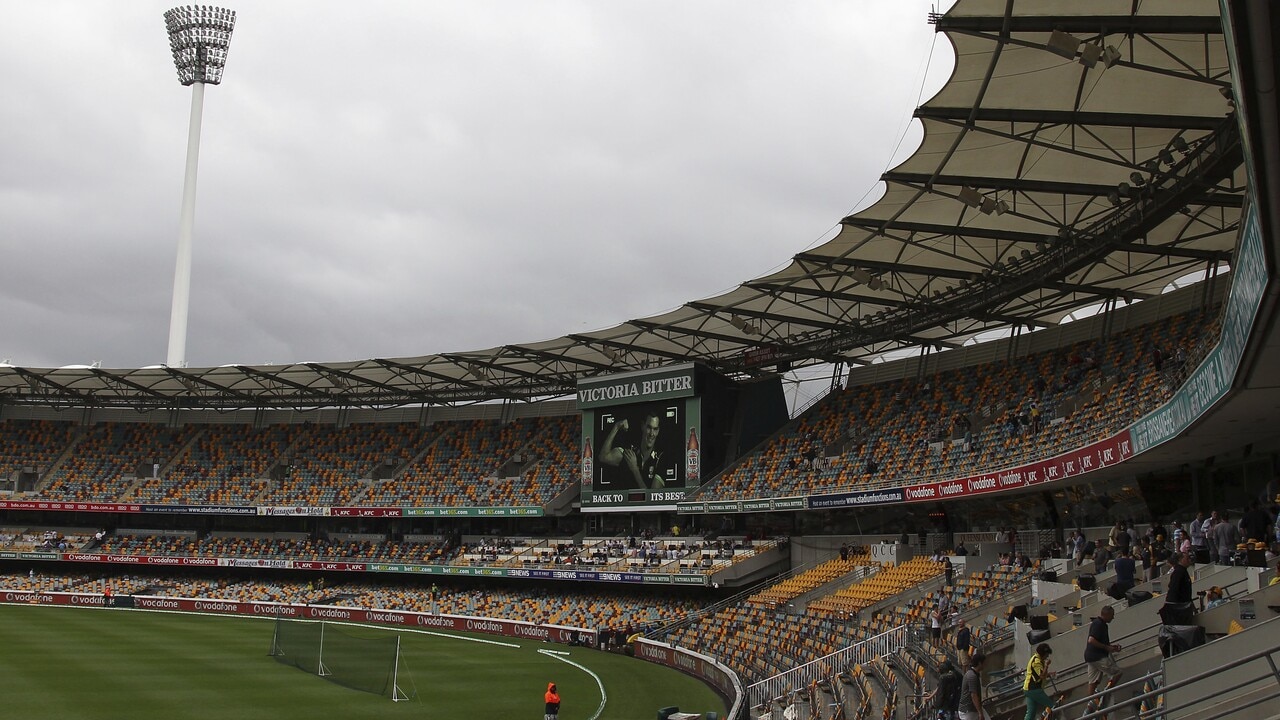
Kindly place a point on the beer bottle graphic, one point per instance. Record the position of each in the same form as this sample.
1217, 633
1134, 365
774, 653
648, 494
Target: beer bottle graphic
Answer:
691, 458
587, 468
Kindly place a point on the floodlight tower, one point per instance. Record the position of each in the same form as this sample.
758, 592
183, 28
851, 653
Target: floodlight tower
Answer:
199, 37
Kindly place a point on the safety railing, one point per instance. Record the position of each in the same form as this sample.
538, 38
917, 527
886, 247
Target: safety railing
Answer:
783, 684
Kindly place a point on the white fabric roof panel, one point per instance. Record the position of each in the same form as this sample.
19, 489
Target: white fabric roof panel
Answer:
1001, 217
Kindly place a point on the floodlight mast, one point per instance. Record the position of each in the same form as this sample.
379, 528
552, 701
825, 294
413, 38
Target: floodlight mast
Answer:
199, 37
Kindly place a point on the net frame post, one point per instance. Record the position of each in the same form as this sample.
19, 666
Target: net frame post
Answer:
321, 670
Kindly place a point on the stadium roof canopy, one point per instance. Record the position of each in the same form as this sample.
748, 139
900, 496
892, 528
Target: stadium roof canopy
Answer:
1083, 151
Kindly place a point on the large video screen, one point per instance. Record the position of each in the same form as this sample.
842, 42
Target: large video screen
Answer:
641, 439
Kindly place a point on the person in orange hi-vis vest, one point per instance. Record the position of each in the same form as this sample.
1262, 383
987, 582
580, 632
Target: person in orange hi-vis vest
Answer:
553, 702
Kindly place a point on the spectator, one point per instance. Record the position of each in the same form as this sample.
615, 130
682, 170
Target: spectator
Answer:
1101, 556
1177, 601
1275, 580
1225, 538
1076, 545
946, 696
1098, 650
1125, 569
1253, 526
970, 706
1033, 683
1209, 524
1198, 545
964, 639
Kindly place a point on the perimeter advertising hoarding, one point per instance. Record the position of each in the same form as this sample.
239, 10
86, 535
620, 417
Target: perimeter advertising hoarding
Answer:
641, 439
461, 623
1104, 453
703, 667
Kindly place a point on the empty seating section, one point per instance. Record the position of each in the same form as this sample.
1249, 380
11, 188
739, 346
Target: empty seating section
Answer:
836, 620
109, 458
876, 588
227, 464
811, 579
467, 463
975, 419
31, 444
45, 582
552, 459
327, 464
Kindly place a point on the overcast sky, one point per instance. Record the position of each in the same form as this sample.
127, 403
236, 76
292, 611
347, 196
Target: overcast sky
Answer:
392, 179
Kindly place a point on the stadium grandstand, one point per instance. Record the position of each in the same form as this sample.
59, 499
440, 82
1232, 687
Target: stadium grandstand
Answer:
1052, 337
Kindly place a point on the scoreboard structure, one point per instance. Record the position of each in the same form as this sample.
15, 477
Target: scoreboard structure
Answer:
643, 440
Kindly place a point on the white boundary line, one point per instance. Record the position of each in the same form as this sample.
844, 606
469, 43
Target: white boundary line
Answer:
604, 697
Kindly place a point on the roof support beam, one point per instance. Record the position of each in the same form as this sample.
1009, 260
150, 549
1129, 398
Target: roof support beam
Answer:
772, 317
1113, 24
998, 183
1175, 251
883, 266
876, 225
280, 379
1068, 117
187, 378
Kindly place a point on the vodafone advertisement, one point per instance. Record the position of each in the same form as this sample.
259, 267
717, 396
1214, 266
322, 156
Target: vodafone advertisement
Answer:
1103, 453
700, 666
458, 623
141, 559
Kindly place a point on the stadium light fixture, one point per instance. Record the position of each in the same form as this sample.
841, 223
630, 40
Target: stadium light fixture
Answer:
970, 197
1090, 54
1110, 56
199, 38
1064, 44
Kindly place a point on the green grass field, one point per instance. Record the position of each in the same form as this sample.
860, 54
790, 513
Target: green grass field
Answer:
67, 663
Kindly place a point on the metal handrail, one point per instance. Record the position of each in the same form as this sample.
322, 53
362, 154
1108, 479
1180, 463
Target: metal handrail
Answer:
827, 666
1257, 655
1073, 671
